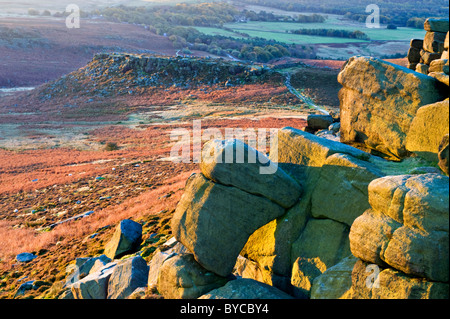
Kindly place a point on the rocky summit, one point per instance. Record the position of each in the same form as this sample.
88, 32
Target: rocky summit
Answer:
360, 211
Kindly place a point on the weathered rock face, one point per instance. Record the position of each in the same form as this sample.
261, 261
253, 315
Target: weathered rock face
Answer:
321, 245
181, 277
343, 183
302, 148
270, 246
427, 129
443, 154
370, 281
85, 266
440, 65
127, 276
335, 282
441, 77
295, 248
379, 100
125, 240
407, 227
246, 289
234, 163
434, 42
95, 285
171, 248
214, 221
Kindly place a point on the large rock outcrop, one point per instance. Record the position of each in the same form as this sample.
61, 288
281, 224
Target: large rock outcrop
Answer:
379, 100
401, 244
291, 251
407, 227
214, 221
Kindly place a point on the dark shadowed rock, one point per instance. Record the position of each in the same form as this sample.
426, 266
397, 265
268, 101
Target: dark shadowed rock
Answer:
246, 289
319, 121
443, 154
25, 257
126, 239
436, 24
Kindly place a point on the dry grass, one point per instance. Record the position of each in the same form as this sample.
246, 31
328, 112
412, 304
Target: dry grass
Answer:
15, 241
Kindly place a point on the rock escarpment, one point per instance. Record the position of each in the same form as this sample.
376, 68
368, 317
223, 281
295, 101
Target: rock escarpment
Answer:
317, 218
401, 243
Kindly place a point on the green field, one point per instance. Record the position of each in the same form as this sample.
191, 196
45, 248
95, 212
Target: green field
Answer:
275, 35
277, 31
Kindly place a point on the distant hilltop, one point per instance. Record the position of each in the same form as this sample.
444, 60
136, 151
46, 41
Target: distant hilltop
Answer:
118, 73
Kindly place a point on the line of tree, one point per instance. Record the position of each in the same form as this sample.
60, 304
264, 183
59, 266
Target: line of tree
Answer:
176, 23
333, 33
397, 12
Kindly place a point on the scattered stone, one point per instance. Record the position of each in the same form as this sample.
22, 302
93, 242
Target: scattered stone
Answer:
414, 55
440, 65
319, 121
246, 289
270, 246
422, 68
138, 293
23, 288
181, 277
392, 284
412, 66
84, 266
159, 257
445, 56
25, 257
441, 77
335, 127
416, 43
126, 239
428, 57
322, 244
329, 135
